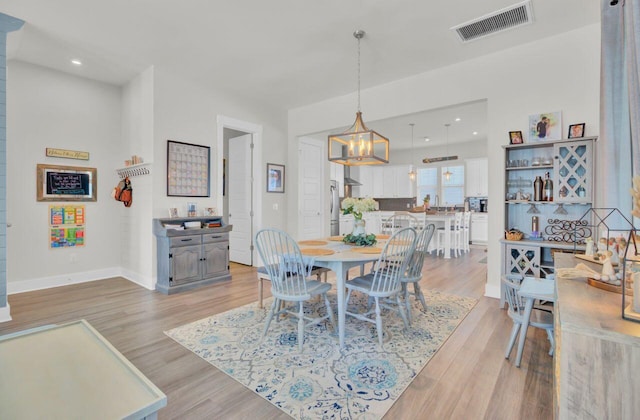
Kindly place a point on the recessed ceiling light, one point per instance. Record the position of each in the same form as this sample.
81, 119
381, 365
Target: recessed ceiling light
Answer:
458, 119
427, 139
475, 133
76, 62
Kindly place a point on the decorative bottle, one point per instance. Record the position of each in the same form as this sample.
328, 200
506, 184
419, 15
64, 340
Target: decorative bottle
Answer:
537, 189
547, 188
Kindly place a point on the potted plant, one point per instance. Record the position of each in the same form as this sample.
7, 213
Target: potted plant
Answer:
426, 200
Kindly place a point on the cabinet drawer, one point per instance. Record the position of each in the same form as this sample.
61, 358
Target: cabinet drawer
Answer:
214, 237
186, 240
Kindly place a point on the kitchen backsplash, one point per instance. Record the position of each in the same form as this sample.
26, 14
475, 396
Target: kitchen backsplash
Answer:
395, 204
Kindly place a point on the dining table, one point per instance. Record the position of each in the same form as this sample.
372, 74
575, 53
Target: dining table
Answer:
532, 289
342, 258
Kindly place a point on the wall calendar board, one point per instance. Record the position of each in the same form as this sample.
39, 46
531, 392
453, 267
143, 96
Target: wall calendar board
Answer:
66, 226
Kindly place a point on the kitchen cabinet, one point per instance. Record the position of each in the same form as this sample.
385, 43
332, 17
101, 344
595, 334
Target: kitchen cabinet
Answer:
572, 172
477, 177
336, 173
387, 181
346, 224
191, 257
479, 228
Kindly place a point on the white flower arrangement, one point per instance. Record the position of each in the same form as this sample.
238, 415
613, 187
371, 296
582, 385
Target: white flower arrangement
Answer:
357, 206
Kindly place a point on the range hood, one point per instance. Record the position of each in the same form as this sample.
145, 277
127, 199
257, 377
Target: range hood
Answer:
347, 178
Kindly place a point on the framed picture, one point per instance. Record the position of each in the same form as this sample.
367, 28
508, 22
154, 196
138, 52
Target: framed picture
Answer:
210, 211
546, 126
173, 212
515, 137
576, 130
187, 169
275, 178
66, 183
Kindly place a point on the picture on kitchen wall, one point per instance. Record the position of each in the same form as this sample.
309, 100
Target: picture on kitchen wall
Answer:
515, 137
66, 183
576, 130
275, 178
545, 127
187, 169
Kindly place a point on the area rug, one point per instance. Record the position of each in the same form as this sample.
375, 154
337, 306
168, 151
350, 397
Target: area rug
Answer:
361, 381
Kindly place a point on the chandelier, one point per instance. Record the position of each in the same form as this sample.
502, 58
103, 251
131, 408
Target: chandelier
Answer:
447, 174
412, 170
358, 145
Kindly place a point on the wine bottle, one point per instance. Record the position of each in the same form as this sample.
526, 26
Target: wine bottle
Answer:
537, 189
548, 188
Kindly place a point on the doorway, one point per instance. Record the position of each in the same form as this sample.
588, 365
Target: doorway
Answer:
238, 174
313, 193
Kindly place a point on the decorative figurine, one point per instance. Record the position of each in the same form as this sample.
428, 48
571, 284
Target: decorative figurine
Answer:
589, 252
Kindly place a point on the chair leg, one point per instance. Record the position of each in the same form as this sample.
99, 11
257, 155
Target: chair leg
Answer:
260, 293
551, 340
329, 311
269, 318
512, 339
378, 321
402, 314
419, 295
407, 301
300, 326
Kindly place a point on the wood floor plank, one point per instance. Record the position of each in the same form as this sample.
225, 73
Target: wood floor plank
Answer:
468, 378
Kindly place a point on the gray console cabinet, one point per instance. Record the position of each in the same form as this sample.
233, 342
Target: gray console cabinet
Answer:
192, 257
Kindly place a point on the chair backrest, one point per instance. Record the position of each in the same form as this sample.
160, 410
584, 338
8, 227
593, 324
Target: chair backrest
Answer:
398, 221
516, 304
414, 268
393, 262
458, 218
283, 261
466, 220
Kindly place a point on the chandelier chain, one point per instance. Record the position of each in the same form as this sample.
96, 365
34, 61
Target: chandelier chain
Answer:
358, 38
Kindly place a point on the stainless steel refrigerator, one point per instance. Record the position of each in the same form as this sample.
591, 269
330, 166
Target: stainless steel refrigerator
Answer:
334, 201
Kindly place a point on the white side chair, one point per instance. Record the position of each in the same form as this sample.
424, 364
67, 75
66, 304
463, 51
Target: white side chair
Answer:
383, 285
413, 274
288, 272
400, 220
539, 318
456, 236
466, 229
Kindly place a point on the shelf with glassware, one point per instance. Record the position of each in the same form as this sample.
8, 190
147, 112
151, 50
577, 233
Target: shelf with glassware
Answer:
565, 168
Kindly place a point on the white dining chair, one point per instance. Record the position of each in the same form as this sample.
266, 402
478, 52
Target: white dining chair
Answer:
456, 236
288, 272
539, 318
466, 230
383, 284
397, 221
413, 274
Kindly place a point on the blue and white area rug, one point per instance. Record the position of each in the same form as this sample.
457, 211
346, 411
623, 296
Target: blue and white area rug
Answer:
360, 382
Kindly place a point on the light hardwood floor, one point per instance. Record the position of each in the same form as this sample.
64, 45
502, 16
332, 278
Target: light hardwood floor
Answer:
468, 378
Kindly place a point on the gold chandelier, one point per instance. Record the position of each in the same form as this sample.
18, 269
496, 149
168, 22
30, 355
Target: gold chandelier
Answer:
447, 174
358, 145
412, 170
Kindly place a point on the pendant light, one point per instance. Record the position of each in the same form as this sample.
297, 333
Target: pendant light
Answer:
447, 174
412, 169
358, 145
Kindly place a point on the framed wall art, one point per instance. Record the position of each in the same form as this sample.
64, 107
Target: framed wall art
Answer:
545, 127
66, 183
576, 131
187, 169
275, 178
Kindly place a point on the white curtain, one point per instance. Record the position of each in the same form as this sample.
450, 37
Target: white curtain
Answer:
619, 143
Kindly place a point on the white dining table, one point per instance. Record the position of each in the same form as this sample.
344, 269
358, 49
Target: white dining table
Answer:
448, 219
532, 289
340, 262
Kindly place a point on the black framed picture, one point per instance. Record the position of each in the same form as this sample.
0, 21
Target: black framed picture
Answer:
187, 169
275, 178
515, 137
576, 131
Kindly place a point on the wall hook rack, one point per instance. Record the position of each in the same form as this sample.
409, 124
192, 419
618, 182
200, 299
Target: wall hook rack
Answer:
134, 170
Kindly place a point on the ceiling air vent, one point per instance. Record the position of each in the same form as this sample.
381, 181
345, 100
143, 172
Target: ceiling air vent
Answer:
508, 18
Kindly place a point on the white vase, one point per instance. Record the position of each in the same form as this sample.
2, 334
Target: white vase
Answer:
358, 227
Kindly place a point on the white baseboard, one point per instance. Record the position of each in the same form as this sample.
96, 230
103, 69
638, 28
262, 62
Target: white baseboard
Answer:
75, 278
492, 291
5, 313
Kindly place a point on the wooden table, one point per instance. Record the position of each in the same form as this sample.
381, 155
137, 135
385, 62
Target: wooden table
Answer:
532, 289
71, 371
340, 262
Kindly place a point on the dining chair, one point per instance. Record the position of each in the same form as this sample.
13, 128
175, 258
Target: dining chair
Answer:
413, 273
289, 273
384, 281
466, 231
263, 274
456, 236
539, 318
399, 220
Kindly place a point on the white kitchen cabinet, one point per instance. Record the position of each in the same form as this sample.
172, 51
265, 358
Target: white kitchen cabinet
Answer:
479, 228
387, 181
336, 172
372, 222
346, 224
364, 175
477, 177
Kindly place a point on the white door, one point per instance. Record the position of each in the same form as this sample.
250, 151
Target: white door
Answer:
311, 192
240, 182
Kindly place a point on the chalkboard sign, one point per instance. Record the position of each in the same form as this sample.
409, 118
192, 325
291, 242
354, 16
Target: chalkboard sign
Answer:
66, 183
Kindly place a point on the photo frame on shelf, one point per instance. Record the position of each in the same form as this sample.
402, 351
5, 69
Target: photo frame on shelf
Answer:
66, 183
515, 137
275, 178
576, 131
188, 169
545, 127
173, 212
210, 211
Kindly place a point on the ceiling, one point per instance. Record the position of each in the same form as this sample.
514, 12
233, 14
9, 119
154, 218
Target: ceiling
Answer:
284, 53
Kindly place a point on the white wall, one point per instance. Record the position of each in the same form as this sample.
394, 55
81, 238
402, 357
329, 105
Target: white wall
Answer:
516, 83
51, 109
